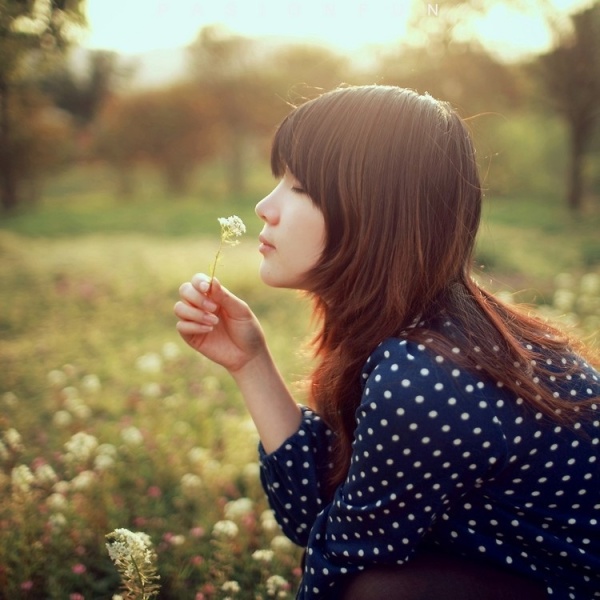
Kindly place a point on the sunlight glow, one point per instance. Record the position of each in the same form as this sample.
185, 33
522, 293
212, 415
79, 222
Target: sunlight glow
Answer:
135, 26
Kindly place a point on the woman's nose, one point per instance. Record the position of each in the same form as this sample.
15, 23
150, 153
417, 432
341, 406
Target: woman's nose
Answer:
266, 210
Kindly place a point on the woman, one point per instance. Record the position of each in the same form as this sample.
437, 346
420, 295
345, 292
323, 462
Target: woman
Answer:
451, 447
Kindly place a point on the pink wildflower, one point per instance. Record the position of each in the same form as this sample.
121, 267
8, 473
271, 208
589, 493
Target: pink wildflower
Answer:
78, 569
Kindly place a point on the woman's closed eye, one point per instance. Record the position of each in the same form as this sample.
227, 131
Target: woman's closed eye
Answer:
298, 189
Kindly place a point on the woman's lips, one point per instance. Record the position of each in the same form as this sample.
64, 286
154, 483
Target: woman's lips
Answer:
265, 245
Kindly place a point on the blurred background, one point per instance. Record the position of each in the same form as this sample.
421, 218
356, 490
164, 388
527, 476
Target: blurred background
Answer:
127, 127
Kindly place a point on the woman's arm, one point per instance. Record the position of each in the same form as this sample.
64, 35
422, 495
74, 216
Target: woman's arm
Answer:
222, 327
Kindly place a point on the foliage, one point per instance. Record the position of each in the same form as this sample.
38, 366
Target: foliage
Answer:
83, 94
30, 34
172, 129
570, 74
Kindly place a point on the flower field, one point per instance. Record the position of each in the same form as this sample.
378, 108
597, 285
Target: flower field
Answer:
108, 421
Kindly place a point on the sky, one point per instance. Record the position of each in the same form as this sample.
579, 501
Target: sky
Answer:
136, 26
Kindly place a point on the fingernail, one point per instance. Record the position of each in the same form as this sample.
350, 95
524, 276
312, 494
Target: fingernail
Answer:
204, 286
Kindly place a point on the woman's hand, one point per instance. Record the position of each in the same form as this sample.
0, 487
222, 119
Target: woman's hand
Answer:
218, 324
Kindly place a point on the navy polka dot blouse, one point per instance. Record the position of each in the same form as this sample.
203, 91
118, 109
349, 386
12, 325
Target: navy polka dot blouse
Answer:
446, 457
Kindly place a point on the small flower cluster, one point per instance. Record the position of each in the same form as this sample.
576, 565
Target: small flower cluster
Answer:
134, 557
231, 228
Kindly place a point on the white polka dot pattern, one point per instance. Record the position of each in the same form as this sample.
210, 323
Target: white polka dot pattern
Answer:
443, 455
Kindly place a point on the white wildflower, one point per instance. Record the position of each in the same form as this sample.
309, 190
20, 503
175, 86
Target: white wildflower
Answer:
151, 390
82, 412
135, 558
231, 586
280, 543
22, 478
149, 363
251, 471
277, 584
231, 228
236, 509
171, 351
268, 522
56, 502
83, 481
132, 436
103, 462
13, 440
45, 474
262, 555
91, 384
80, 447
191, 485
57, 521
564, 299
225, 529
62, 418
57, 378
198, 455
590, 283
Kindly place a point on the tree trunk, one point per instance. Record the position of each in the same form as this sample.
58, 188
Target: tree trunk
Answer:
236, 161
8, 180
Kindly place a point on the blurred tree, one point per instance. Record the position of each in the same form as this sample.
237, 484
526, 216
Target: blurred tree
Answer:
465, 75
301, 70
232, 70
83, 92
172, 128
30, 32
570, 76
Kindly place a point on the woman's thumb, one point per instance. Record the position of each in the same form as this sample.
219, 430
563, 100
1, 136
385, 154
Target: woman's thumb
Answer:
230, 303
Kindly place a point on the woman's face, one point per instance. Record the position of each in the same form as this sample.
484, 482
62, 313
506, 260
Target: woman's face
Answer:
293, 236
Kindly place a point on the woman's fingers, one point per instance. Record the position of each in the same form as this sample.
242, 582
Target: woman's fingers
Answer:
188, 312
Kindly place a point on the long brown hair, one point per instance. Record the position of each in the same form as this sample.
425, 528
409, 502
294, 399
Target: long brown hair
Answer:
395, 175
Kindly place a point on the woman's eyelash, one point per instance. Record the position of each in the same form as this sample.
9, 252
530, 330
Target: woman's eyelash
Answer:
298, 190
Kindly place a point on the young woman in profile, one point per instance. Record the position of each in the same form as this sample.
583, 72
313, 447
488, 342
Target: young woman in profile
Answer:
451, 447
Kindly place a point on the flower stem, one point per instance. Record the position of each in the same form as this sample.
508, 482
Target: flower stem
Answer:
214, 266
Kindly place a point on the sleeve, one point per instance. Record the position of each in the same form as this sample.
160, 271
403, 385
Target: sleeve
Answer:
293, 476
424, 437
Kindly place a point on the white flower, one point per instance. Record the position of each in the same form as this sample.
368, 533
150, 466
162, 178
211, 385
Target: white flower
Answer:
590, 283
57, 521
57, 378
171, 351
198, 455
236, 509
280, 543
56, 502
134, 557
22, 478
231, 227
45, 474
268, 522
84, 480
225, 529
564, 300
151, 390
191, 484
103, 462
263, 555
231, 586
132, 436
149, 363
62, 418
81, 447
91, 384
12, 438
277, 584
